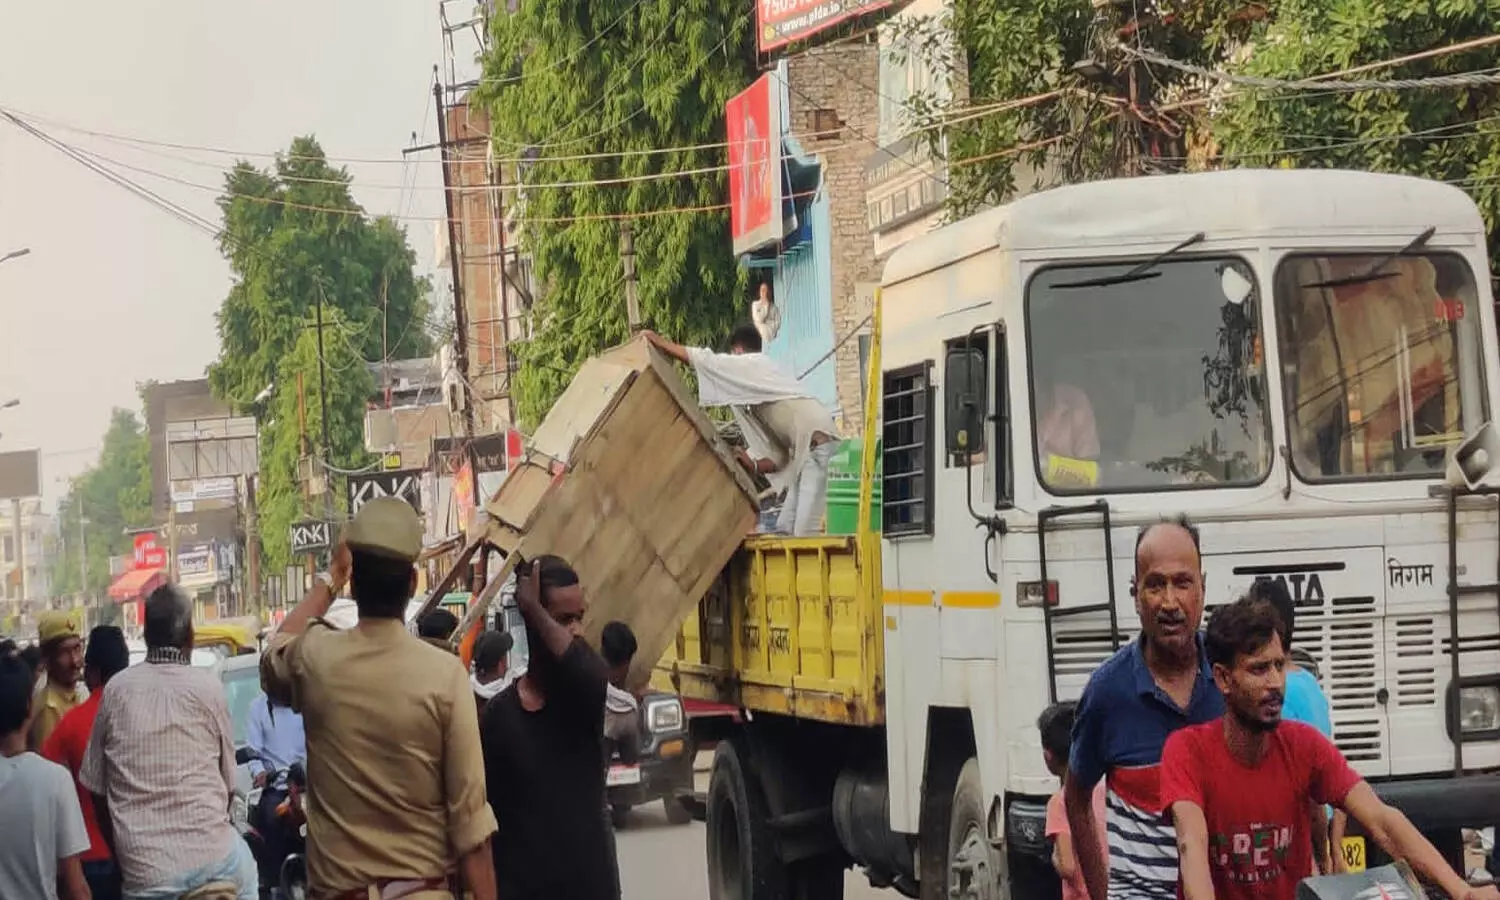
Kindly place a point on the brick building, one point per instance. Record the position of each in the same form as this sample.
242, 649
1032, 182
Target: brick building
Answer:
495, 297
833, 107
817, 253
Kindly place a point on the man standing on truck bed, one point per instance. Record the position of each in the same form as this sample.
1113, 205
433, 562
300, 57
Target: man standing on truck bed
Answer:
1132, 703
395, 778
774, 412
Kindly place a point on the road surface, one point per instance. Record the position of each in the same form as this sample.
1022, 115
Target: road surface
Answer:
666, 862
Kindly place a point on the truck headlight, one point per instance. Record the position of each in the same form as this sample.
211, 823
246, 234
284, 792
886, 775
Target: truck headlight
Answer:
1478, 709
664, 716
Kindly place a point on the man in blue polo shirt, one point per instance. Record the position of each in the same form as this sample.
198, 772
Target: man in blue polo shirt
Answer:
1132, 702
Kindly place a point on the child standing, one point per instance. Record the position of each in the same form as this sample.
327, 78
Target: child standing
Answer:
1056, 727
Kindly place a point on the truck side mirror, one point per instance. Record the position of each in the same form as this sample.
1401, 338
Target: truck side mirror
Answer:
965, 399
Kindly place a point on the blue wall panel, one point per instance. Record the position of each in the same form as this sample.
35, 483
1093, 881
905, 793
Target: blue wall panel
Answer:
804, 290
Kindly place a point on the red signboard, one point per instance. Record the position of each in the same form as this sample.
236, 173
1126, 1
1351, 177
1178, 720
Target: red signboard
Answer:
780, 22
148, 555
754, 125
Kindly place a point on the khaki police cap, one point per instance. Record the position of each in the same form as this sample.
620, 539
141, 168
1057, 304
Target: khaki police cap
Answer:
388, 527
55, 625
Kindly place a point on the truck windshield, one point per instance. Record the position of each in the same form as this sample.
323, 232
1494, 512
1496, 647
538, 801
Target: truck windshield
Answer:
1381, 376
1150, 384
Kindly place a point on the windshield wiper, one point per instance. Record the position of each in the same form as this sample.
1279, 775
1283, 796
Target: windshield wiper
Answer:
1140, 272
1373, 273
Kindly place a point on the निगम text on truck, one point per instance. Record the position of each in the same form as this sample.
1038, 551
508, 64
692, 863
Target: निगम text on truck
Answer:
1303, 362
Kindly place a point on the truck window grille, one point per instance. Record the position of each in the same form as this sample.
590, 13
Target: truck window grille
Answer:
907, 433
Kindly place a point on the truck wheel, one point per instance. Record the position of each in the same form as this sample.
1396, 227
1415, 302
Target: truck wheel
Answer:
742, 861
975, 870
619, 814
677, 814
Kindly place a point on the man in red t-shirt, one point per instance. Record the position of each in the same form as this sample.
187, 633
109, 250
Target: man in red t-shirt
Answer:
107, 655
1238, 788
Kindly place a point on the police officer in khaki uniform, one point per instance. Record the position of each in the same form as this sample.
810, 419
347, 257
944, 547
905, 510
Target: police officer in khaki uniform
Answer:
62, 689
396, 789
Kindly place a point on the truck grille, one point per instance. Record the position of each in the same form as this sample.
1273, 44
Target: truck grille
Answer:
1413, 653
1341, 634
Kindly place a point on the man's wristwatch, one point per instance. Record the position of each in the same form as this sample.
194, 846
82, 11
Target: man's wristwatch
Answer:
327, 581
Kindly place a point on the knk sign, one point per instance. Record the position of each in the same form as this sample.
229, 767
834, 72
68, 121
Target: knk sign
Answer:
311, 537
406, 484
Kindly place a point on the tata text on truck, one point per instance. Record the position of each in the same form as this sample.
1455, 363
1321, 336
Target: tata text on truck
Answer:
1293, 359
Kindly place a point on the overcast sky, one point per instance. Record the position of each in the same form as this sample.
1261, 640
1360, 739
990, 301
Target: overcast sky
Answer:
115, 291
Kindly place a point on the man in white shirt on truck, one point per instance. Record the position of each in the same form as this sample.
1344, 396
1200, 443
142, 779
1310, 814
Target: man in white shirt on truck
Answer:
788, 430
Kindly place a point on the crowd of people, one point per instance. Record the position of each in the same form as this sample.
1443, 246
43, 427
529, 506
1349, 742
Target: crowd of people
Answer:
117, 779
1200, 764
1197, 762
424, 780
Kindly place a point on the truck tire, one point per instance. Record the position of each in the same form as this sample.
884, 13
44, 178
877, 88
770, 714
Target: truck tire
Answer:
677, 813
974, 870
742, 860
619, 815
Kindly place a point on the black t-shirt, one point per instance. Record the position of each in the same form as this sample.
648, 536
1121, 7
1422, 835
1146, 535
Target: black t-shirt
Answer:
545, 774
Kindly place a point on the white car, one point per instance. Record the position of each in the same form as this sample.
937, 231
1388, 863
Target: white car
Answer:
240, 676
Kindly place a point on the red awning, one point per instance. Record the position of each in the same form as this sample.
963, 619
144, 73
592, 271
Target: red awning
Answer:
136, 583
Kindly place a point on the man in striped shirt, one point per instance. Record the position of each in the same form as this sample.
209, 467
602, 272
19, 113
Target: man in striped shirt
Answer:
160, 764
1132, 703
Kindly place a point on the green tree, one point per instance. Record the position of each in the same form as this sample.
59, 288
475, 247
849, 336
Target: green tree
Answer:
294, 238
608, 80
112, 496
350, 385
1051, 98
1450, 134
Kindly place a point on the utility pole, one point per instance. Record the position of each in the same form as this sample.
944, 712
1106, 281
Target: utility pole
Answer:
627, 258
15, 510
323, 409
510, 398
252, 547
304, 465
460, 312
83, 554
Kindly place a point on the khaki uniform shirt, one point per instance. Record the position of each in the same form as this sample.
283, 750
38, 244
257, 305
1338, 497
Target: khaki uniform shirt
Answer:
52, 703
394, 769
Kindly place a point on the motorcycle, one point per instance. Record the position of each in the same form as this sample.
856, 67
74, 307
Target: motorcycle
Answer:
284, 878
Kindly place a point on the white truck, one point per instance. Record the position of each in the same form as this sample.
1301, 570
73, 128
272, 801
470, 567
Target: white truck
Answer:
1303, 362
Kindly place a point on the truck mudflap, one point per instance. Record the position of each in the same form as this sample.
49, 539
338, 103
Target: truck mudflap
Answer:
1440, 808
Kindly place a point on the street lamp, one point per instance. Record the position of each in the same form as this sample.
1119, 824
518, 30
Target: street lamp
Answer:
15, 254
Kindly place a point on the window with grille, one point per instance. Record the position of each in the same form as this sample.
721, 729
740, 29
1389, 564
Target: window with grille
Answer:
907, 436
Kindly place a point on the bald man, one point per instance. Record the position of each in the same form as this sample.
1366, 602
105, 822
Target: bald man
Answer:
1131, 705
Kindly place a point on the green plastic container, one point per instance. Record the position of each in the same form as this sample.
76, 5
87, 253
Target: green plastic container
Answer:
843, 488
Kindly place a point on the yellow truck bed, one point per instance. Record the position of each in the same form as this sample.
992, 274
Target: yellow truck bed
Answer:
794, 626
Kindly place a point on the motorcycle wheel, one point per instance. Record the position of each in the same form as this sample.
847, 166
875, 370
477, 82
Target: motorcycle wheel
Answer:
294, 878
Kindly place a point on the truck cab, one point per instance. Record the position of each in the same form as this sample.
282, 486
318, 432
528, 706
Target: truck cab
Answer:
1302, 362
1289, 358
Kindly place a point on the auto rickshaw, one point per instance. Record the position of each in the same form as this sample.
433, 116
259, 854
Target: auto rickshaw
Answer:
229, 637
